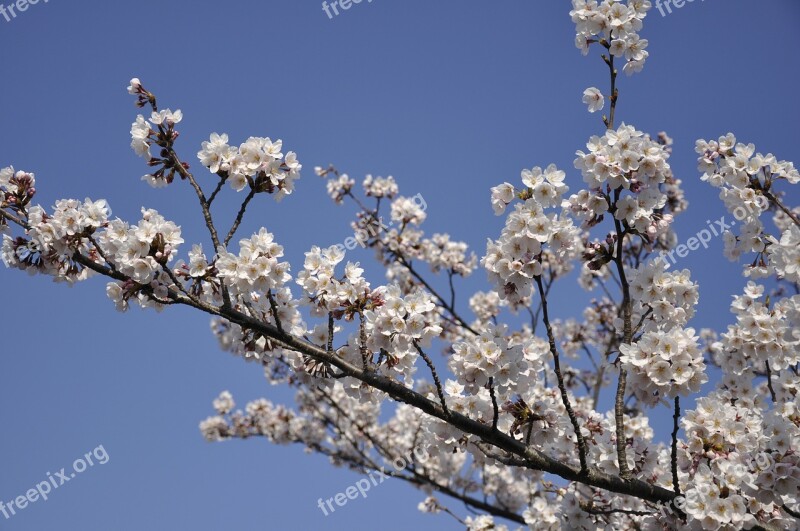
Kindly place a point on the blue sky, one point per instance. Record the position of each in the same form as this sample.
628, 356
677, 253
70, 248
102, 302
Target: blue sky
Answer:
449, 97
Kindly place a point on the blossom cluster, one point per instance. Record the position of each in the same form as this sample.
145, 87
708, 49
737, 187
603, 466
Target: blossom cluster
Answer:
380, 187
159, 129
664, 364
763, 333
52, 239
742, 463
400, 325
277, 423
665, 361
444, 254
339, 187
17, 188
256, 267
645, 193
517, 258
258, 163
614, 23
494, 355
142, 253
745, 179
325, 293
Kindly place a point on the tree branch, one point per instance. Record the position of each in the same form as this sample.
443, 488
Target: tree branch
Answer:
557, 364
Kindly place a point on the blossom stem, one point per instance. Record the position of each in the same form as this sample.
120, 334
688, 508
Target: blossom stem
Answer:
436, 381
675, 427
627, 333
239, 217
557, 364
495, 409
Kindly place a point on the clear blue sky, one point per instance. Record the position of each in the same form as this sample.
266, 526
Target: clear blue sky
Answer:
449, 97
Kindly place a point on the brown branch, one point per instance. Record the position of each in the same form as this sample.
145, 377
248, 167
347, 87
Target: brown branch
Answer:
330, 332
790, 511
769, 382
239, 217
419, 479
675, 417
529, 458
15, 219
223, 176
775, 201
362, 335
561, 387
619, 399
495, 409
592, 510
436, 381
273, 306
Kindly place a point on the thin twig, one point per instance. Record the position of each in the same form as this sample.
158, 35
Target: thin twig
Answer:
239, 217
362, 334
436, 381
769, 382
495, 409
273, 306
675, 417
557, 364
783, 207
433, 292
330, 331
222, 178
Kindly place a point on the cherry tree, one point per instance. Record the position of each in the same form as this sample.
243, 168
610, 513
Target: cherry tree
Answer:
509, 418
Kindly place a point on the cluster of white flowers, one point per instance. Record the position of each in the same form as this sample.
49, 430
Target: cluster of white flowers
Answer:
670, 297
666, 360
159, 129
261, 417
545, 186
629, 159
256, 268
339, 187
395, 326
484, 522
443, 254
224, 403
257, 163
587, 206
17, 188
664, 364
742, 464
614, 23
516, 259
763, 333
486, 306
198, 266
380, 186
53, 239
141, 253
785, 254
745, 179
624, 157
325, 293
512, 366
407, 210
